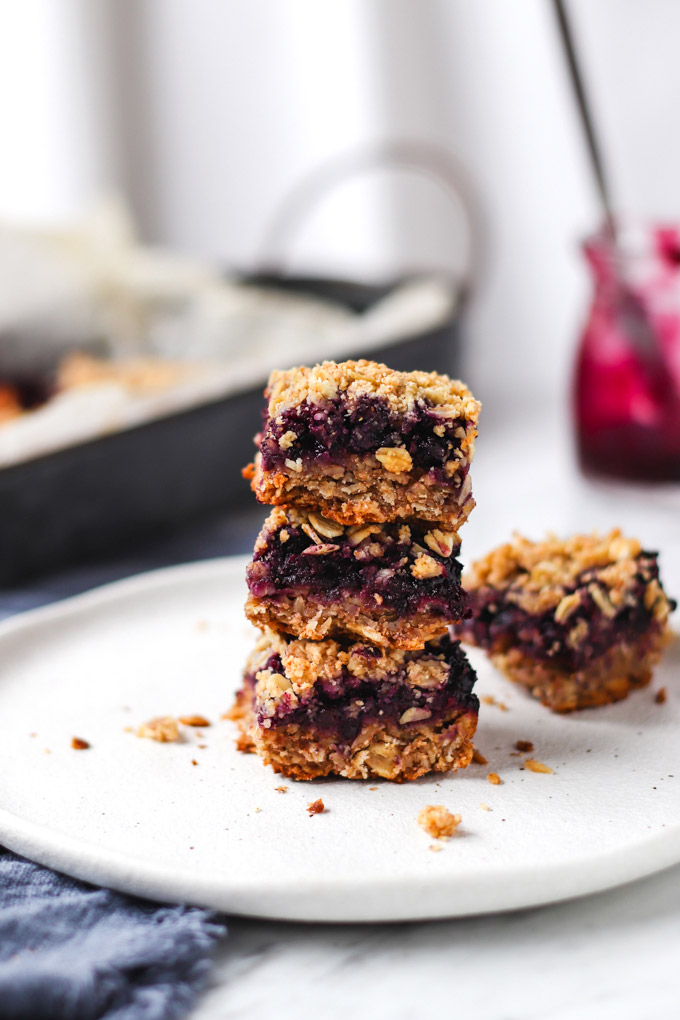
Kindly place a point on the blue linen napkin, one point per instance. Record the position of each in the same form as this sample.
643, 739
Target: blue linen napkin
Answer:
72, 951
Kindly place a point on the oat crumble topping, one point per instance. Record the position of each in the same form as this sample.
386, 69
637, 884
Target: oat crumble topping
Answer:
305, 662
394, 459
538, 576
363, 378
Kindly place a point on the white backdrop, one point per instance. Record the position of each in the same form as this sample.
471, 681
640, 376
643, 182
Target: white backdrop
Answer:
208, 113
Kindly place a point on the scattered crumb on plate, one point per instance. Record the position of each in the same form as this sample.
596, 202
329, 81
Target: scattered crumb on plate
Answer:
316, 807
494, 778
281, 789
194, 720
478, 758
162, 728
537, 766
485, 807
525, 746
489, 699
78, 744
660, 696
437, 821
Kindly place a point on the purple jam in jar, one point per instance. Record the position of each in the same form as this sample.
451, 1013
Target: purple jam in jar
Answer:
627, 386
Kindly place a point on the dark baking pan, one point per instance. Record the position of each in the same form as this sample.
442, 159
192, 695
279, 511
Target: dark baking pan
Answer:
101, 497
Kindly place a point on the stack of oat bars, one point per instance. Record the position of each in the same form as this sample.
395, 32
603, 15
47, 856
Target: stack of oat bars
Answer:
355, 576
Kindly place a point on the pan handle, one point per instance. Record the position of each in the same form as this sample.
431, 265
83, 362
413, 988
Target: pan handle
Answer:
432, 162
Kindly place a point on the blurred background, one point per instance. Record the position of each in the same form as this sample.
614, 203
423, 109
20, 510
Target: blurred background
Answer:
429, 151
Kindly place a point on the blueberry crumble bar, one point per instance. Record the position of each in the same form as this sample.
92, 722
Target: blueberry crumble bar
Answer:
396, 584
361, 443
318, 708
579, 622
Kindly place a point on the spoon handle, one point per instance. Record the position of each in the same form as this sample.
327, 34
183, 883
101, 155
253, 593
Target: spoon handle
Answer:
585, 112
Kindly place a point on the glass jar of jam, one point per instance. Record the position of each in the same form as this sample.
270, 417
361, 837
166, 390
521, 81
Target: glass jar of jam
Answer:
627, 383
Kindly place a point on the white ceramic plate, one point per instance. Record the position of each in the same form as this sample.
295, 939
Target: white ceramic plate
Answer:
142, 817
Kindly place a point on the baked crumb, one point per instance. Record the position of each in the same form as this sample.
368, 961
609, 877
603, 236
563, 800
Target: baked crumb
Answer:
373, 787
194, 762
435, 847
438, 822
281, 789
537, 766
525, 746
660, 696
162, 728
485, 807
316, 807
194, 720
128, 729
489, 699
79, 745
494, 779
478, 758
258, 810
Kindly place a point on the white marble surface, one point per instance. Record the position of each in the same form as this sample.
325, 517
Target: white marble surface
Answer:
611, 957
614, 955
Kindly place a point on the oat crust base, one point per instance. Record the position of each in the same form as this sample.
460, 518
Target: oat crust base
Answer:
361, 492
305, 618
377, 752
609, 678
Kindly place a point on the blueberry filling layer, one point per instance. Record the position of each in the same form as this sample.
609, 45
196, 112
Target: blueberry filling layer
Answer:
330, 431
379, 565
497, 624
344, 706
